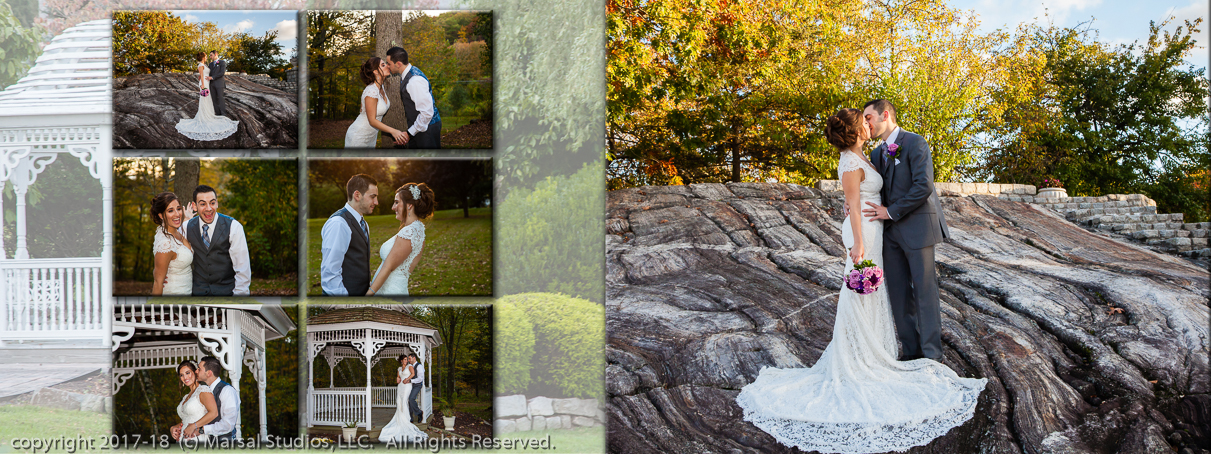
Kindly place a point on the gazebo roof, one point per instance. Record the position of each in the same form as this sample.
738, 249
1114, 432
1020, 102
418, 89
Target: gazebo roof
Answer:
71, 77
367, 314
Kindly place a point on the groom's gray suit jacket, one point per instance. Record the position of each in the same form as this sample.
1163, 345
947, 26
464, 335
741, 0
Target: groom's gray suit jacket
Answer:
908, 192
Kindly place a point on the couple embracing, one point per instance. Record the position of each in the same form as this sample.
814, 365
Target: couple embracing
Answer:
879, 385
205, 255
210, 409
210, 122
409, 379
424, 124
345, 240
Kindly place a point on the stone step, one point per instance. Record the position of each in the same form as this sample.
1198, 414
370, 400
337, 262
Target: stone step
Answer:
1152, 234
1133, 226
1174, 244
1084, 213
1198, 242
1204, 252
1196, 226
1132, 219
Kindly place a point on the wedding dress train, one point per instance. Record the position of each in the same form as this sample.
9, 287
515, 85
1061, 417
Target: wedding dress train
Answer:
401, 429
858, 398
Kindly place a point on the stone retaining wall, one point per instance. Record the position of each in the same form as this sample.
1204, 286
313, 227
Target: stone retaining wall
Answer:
516, 413
962, 189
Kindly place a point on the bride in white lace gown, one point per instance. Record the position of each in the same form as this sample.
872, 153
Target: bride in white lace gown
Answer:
363, 133
197, 408
858, 398
401, 429
205, 125
173, 256
413, 202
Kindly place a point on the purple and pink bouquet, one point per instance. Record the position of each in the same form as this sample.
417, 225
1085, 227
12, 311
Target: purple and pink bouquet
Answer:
205, 92
865, 278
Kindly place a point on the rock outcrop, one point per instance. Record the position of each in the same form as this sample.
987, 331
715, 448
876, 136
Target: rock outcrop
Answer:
147, 108
1090, 344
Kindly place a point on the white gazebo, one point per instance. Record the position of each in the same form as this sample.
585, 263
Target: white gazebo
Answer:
60, 110
370, 334
160, 336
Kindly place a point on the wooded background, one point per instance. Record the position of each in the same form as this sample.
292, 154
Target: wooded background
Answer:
159, 41
740, 91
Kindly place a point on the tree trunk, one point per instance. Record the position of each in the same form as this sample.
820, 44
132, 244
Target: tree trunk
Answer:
186, 178
467, 207
388, 28
735, 160
155, 421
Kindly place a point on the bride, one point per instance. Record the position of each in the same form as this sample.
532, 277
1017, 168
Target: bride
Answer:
205, 125
363, 133
172, 274
413, 202
401, 429
198, 407
858, 398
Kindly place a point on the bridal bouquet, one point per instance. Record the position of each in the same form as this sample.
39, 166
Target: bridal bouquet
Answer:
205, 92
865, 278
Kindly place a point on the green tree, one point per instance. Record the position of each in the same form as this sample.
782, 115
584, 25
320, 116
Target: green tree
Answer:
260, 195
428, 49
151, 42
1108, 119
338, 43
18, 46
254, 55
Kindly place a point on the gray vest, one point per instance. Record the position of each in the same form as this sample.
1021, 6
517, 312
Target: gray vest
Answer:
355, 268
213, 272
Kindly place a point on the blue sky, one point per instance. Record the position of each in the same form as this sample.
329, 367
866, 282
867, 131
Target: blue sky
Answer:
255, 23
1116, 21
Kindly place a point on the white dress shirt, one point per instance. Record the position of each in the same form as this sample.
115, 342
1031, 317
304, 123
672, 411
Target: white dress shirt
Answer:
238, 251
335, 237
229, 413
418, 89
891, 138
420, 373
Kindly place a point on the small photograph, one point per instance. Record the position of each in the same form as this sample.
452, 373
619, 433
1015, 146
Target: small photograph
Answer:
205, 227
399, 227
204, 374
412, 373
205, 79
399, 79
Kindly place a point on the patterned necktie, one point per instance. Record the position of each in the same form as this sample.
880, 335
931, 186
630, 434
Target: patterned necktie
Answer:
366, 230
206, 235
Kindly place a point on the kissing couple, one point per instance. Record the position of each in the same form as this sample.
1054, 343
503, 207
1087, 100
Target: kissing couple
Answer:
210, 123
879, 385
423, 129
211, 408
345, 240
205, 255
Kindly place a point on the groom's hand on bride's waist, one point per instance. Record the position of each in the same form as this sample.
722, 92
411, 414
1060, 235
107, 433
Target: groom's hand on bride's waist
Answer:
876, 212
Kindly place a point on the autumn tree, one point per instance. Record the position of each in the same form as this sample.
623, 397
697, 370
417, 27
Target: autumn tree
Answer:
151, 42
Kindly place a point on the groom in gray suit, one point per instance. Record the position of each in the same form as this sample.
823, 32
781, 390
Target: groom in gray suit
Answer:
218, 84
915, 223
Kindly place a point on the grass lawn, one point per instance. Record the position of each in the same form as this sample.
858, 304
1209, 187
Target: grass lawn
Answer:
331, 133
456, 258
283, 286
22, 421
583, 440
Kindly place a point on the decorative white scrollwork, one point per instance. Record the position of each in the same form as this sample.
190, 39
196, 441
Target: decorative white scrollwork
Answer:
90, 158
9, 158
252, 360
368, 348
121, 334
316, 347
29, 168
120, 377
331, 357
218, 345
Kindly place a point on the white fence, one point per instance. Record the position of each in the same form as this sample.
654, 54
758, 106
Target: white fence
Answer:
50, 299
337, 406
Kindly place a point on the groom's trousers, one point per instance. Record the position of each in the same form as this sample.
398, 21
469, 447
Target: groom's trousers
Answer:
912, 286
414, 404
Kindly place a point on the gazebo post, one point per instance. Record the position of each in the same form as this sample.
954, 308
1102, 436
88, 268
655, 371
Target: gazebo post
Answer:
369, 391
3, 254
22, 252
107, 228
260, 373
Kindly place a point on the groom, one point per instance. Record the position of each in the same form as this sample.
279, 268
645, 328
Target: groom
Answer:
418, 382
915, 223
220, 250
420, 111
223, 426
218, 68
345, 241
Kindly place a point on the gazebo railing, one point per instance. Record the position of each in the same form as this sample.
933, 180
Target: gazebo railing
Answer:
383, 396
159, 316
52, 299
338, 406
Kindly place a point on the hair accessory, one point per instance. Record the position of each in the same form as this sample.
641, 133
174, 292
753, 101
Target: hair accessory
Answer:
415, 192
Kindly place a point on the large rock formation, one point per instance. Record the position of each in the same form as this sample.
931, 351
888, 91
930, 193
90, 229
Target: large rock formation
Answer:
147, 108
1090, 345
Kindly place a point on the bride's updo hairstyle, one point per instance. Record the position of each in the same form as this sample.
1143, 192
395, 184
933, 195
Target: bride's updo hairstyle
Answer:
423, 205
190, 364
159, 204
199, 56
368, 69
844, 128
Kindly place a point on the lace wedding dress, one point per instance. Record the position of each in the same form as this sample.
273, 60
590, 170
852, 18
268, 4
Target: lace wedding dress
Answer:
180, 271
397, 281
191, 410
401, 429
205, 125
360, 133
858, 398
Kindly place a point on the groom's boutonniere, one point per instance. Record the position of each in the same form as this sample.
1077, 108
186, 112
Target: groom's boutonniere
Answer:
893, 151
